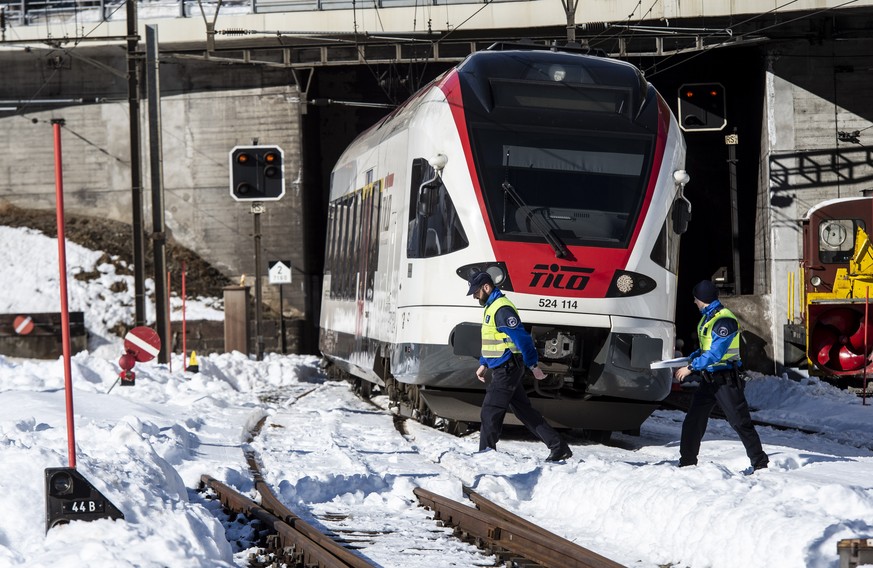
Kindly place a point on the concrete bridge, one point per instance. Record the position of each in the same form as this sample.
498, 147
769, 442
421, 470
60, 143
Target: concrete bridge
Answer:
324, 32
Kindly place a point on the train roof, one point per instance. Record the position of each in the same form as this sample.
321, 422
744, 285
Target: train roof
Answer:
830, 202
571, 67
519, 63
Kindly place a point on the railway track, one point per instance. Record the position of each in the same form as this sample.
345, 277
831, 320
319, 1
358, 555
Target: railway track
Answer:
513, 540
344, 539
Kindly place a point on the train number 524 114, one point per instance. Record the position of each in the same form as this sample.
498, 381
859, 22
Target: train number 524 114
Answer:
558, 304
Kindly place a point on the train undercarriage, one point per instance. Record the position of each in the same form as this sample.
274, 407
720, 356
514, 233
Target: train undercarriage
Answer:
457, 411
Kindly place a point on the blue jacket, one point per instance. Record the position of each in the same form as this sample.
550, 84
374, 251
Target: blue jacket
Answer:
522, 339
723, 333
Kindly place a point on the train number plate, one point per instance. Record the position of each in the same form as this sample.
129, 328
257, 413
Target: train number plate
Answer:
558, 304
83, 506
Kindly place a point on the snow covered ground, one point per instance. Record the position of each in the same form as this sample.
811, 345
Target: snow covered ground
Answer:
339, 461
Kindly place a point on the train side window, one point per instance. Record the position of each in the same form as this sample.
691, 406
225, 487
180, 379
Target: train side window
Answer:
330, 246
338, 250
434, 227
836, 239
353, 244
375, 221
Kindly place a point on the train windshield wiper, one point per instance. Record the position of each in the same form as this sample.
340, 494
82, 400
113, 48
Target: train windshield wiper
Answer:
554, 241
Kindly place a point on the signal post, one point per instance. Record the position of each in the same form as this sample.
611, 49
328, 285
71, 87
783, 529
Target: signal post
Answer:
257, 174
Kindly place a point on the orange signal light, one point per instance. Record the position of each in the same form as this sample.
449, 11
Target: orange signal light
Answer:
243, 159
270, 158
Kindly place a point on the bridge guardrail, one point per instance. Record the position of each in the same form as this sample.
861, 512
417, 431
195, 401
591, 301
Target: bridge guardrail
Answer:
27, 12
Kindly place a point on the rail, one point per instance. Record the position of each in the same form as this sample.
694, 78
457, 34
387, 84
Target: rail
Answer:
489, 527
306, 545
503, 530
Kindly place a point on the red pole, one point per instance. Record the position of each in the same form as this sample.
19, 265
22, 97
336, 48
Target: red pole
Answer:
866, 350
169, 332
184, 346
65, 310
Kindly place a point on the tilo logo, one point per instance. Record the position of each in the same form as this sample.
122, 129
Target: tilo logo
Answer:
553, 276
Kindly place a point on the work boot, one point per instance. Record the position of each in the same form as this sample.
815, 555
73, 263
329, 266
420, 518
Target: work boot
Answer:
560, 453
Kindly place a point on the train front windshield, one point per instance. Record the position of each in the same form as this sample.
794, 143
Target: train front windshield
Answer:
569, 159
587, 188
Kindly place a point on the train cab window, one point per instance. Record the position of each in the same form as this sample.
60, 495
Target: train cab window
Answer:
434, 226
665, 251
836, 239
586, 188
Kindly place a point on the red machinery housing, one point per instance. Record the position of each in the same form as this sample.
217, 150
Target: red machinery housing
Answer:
837, 270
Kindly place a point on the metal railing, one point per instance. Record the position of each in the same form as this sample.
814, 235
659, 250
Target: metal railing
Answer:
27, 12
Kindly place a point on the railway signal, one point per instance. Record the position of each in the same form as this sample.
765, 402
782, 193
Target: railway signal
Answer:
702, 107
71, 497
257, 173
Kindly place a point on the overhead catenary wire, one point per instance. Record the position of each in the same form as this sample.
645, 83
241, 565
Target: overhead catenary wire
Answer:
20, 111
739, 37
670, 29
470, 17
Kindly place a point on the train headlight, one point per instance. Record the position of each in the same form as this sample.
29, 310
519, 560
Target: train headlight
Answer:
557, 73
625, 283
497, 271
498, 275
815, 281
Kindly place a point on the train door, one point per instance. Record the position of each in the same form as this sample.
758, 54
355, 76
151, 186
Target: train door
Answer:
391, 154
388, 263
366, 255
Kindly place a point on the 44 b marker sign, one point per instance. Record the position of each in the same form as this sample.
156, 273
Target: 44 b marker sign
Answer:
71, 497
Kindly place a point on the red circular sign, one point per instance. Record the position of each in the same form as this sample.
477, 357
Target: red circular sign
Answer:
143, 342
23, 325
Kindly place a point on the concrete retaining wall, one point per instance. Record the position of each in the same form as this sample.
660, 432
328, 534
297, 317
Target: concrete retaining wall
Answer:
199, 129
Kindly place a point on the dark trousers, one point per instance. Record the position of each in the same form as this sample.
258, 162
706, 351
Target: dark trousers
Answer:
505, 391
726, 391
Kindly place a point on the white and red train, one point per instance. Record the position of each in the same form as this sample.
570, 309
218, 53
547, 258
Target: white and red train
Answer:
559, 173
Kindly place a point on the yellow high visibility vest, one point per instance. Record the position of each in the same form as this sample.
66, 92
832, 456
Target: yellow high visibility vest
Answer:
495, 342
704, 334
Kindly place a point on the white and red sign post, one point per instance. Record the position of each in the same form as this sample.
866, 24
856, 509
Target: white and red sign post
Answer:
23, 325
141, 344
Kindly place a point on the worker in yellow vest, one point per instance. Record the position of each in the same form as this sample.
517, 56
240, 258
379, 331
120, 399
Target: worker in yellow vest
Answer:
718, 362
507, 349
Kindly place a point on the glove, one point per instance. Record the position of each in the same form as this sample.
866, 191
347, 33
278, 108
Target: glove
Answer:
538, 373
